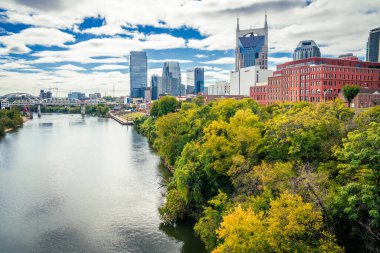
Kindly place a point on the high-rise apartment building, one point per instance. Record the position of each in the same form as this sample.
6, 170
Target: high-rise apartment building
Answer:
251, 47
138, 73
373, 45
306, 49
171, 78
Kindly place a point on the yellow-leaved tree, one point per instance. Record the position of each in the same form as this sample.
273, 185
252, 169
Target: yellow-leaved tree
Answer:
290, 225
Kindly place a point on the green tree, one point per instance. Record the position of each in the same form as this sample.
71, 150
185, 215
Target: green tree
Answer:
350, 92
163, 106
210, 220
172, 133
356, 203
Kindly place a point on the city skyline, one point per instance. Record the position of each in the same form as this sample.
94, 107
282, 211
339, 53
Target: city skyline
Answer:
84, 45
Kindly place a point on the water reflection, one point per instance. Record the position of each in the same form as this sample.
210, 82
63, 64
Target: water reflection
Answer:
183, 232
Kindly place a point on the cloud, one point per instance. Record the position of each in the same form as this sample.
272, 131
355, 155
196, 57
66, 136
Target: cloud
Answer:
70, 67
164, 60
201, 56
224, 60
112, 48
15, 65
56, 24
110, 67
17, 43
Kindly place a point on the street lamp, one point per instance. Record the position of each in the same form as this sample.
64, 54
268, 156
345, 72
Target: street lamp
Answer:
324, 94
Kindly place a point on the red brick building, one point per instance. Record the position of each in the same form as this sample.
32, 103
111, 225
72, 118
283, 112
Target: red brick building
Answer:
316, 79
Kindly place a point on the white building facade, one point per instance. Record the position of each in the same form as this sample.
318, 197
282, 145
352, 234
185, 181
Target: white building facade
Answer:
244, 78
219, 88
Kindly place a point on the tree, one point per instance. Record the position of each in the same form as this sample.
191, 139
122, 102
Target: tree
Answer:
172, 133
164, 106
350, 92
212, 215
290, 225
356, 204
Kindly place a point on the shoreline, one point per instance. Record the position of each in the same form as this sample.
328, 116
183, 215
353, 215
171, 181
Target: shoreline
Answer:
24, 120
121, 120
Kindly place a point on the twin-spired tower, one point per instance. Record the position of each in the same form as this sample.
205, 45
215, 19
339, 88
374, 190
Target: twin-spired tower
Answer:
251, 47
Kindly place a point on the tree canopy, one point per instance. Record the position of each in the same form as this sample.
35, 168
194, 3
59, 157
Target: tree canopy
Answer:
289, 177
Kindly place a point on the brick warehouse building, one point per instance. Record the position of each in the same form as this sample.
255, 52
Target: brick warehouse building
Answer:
316, 79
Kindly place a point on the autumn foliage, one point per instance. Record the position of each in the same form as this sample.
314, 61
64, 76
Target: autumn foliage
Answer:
294, 177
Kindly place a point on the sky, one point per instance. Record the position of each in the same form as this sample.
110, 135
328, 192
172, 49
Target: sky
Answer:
84, 45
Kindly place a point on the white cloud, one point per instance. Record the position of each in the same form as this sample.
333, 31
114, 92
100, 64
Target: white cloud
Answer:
15, 65
224, 60
201, 56
70, 67
110, 67
164, 60
17, 43
331, 24
112, 48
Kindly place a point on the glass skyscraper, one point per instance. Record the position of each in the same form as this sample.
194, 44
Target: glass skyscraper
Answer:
171, 78
199, 80
373, 45
251, 47
138, 73
156, 82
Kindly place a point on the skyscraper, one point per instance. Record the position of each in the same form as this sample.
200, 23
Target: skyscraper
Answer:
196, 78
373, 45
171, 78
199, 80
306, 49
251, 47
138, 73
156, 83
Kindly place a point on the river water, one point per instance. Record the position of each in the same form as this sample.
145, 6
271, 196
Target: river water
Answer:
73, 184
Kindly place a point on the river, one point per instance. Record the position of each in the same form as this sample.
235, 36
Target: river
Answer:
73, 184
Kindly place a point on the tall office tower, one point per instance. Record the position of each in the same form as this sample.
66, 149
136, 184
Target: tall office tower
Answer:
251, 47
306, 49
155, 82
171, 78
199, 80
196, 78
373, 45
138, 73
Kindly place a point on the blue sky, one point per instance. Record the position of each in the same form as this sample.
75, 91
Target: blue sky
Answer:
83, 45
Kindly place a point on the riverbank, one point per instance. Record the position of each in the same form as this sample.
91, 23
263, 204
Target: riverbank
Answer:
10, 129
121, 120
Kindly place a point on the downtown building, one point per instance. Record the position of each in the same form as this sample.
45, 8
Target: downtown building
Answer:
306, 49
373, 45
219, 88
251, 59
195, 80
316, 79
155, 85
138, 73
171, 79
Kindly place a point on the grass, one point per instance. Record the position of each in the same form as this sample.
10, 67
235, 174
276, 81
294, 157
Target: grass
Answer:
132, 115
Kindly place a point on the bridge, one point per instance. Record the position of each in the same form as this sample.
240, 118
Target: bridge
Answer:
26, 100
